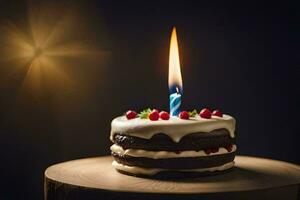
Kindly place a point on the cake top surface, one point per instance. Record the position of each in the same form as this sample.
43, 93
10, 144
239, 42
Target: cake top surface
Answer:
175, 127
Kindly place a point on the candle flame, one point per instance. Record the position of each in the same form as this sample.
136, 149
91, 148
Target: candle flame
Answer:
175, 79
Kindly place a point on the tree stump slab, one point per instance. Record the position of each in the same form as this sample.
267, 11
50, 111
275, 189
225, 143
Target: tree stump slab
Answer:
95, 178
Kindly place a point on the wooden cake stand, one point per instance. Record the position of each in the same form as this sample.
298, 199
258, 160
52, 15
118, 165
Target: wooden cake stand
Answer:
95, 178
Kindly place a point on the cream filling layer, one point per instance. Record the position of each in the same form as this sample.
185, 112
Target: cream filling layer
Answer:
175, 127
165, 154
153, 171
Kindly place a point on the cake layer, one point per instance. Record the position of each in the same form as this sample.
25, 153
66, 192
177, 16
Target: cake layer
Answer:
175, 163
165, 154
153, 171
175, 127
162, 142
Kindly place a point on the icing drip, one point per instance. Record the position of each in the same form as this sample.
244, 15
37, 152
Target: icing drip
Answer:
152, 171
175, 128
165, 154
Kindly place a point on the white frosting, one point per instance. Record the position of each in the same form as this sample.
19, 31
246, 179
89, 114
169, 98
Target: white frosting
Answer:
152, 171
175, 127
164, 154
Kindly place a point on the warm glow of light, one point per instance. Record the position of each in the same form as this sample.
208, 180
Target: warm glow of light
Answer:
47, 46
175, 78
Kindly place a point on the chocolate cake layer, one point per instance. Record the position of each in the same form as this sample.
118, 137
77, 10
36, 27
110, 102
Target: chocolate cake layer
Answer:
169, 175
162, 142
176, 163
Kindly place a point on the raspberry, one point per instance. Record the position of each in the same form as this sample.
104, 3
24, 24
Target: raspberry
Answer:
217, 113
164, 115
229, 147
154, 115
130, 114
205, 113
184, 115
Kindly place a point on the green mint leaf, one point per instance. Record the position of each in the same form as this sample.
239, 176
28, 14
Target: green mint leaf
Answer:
193, 113
145, 113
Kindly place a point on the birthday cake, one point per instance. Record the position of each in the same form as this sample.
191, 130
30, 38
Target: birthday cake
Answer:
153, 143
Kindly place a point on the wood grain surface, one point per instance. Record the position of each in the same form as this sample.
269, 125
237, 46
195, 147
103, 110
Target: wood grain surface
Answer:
250, 174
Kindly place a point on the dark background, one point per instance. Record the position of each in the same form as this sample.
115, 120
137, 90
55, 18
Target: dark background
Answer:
242, 58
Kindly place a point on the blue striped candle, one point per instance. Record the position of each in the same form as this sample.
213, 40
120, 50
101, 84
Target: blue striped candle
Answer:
175, 101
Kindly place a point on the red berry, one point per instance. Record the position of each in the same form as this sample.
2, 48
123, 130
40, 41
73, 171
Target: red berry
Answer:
164, 115
154, 115
229, 147
205, 113
184, 115
214, 150
217, 113
130, 114
207, 151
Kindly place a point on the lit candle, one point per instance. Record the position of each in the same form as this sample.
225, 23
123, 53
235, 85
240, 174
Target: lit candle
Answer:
175, 80
175, 101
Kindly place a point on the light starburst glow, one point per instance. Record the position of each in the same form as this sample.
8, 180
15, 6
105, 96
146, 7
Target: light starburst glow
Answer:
51, 39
